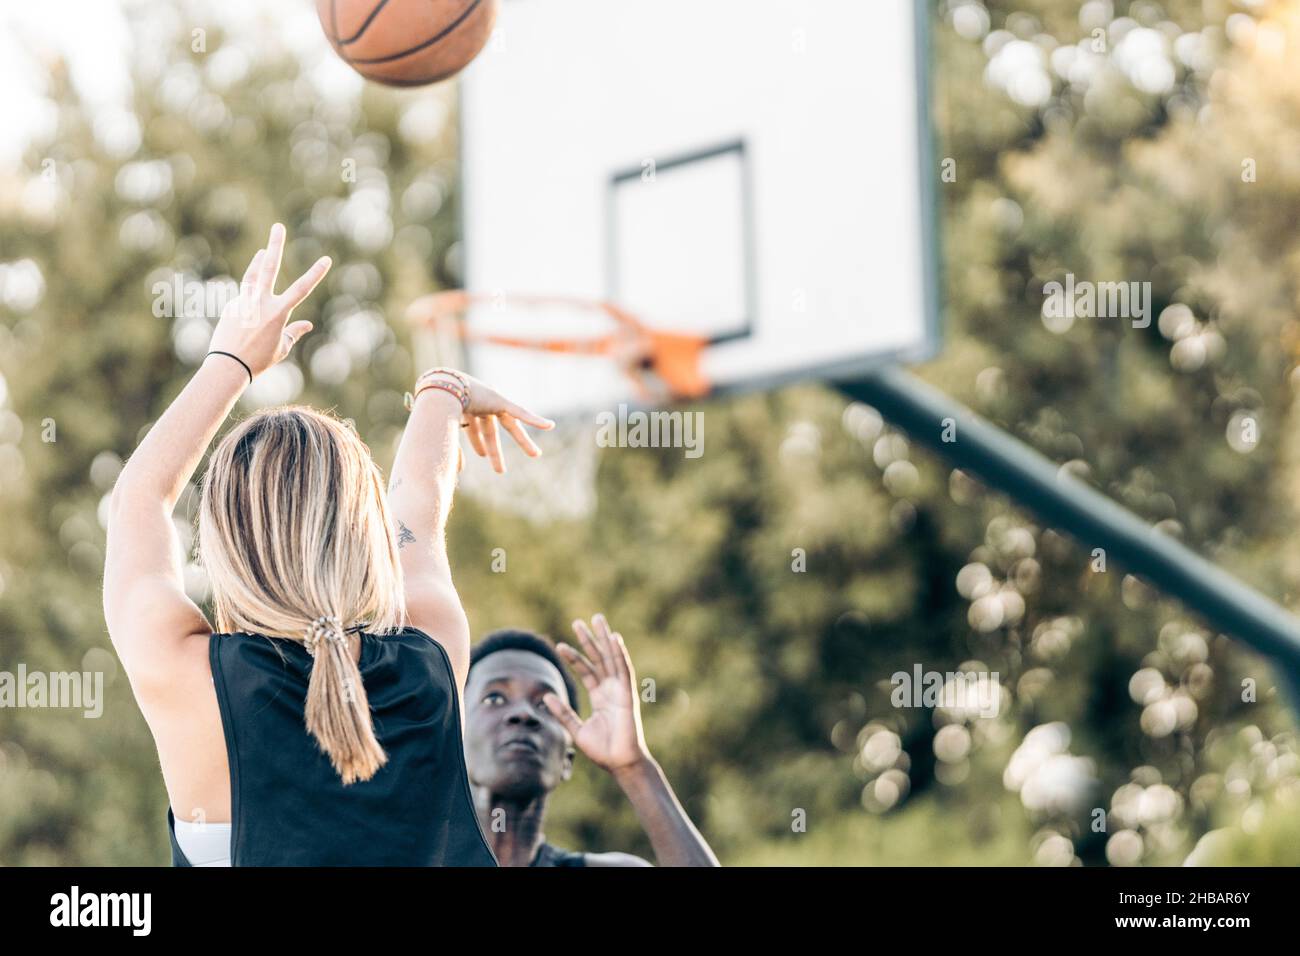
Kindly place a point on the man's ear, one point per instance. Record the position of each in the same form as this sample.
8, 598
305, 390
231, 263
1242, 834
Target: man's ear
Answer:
566, 771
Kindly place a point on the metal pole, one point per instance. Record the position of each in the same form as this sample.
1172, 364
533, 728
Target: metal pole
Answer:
1064, 502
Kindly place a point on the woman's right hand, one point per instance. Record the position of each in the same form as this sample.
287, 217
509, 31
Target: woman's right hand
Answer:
487, 409
255, 326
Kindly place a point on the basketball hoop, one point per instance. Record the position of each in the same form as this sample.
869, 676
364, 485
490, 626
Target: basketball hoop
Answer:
641, 353
662, 367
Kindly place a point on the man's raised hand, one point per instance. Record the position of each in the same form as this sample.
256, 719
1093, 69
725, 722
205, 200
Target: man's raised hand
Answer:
611, 736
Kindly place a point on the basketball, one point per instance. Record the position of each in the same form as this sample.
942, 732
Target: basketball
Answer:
407, 42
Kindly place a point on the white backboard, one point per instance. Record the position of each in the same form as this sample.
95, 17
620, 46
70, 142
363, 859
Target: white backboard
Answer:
757, 171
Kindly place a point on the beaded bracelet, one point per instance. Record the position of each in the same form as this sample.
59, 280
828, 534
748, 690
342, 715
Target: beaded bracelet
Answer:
460, 393
443, 370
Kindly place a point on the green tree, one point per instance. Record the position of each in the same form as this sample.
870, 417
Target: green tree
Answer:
771, 588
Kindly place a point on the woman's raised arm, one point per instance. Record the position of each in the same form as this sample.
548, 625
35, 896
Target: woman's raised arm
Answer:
145, 605
421, 486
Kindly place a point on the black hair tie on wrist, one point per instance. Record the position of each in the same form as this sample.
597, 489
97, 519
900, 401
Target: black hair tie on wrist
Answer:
237, 359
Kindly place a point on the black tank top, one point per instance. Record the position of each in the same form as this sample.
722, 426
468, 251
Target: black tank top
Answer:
288, 805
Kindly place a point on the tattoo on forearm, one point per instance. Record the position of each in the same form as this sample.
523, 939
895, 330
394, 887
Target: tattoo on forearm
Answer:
404, 536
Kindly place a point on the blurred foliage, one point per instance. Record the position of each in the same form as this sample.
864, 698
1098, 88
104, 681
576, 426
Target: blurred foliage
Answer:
1135, 142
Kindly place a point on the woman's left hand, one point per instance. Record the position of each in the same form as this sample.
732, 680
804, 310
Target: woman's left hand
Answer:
486, 408
255, 326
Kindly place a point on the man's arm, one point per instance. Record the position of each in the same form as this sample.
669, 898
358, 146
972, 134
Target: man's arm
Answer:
675, 840
613, 737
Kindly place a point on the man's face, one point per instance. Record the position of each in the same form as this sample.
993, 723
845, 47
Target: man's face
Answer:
513, 745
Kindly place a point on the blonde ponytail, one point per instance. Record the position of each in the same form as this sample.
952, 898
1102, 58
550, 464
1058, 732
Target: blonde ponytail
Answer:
338, 712
293, 523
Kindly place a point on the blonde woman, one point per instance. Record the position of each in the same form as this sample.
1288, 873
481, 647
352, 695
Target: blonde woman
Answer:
319, 723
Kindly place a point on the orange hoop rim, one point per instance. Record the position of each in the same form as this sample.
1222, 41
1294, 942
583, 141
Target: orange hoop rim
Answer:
673, 357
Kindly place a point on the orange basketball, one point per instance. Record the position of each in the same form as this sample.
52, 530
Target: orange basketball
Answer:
407, 42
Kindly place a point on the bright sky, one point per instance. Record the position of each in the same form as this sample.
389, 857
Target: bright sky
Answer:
92, 37
95, 52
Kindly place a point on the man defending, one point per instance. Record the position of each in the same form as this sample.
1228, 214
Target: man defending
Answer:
522, 727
